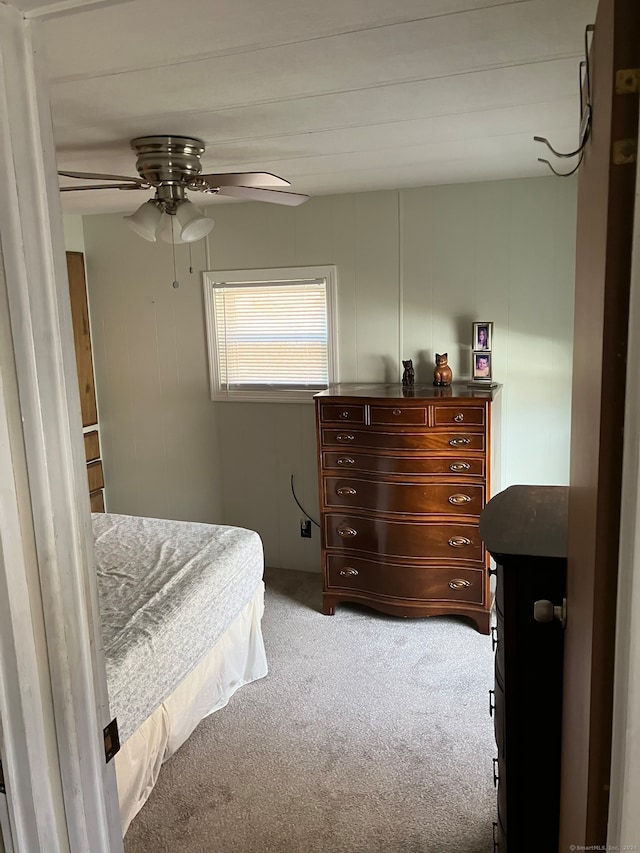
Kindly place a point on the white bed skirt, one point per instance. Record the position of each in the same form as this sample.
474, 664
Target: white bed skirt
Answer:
236, 659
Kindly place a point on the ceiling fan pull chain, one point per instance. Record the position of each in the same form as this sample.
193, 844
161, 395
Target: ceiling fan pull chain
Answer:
176, 283
190, 261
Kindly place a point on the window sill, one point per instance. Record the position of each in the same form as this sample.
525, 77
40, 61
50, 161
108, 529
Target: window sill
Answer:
304, 397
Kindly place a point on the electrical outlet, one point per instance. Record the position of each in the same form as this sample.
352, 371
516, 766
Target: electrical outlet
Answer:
305, 528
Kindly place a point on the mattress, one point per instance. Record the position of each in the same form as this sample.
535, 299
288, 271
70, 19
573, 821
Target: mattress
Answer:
168, 591
238, 658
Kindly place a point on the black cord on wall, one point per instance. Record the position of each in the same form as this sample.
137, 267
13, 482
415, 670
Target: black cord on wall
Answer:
293, 492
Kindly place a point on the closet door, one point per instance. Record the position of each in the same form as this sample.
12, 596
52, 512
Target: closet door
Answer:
86, 381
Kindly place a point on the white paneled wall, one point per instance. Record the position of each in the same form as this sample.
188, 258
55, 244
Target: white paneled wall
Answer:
415, 269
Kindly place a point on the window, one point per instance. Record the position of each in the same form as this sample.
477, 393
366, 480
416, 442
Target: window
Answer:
271, 333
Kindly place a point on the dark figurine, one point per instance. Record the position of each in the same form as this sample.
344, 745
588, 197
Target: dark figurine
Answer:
409, 374
442, 374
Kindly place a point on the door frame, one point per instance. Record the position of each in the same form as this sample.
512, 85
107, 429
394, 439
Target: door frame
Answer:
624, 819
60, 793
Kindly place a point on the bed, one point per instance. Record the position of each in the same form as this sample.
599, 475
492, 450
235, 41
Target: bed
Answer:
181, 605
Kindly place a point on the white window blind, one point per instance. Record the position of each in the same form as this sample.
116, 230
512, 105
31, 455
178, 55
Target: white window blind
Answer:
270, 337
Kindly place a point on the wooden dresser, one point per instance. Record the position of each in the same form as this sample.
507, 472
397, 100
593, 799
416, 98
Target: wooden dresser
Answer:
525, 530
404, 473
86, 381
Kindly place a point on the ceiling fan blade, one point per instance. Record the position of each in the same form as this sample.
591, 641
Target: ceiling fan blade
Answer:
95, 176
102, 187
244, 179
256, 194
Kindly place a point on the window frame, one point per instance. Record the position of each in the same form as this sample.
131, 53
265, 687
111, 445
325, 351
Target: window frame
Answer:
213, 279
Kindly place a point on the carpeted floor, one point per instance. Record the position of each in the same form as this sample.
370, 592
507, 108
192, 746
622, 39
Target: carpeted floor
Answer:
371, 734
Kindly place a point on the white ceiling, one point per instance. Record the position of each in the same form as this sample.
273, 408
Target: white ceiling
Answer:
334, 95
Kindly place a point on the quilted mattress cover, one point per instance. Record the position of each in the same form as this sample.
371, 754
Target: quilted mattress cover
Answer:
168, 590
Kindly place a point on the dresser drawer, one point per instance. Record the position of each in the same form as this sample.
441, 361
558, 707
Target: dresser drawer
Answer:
95, 476
498, 715
397, 415
419, 440
91, 446
345, 413
398, 581
499, 661
403, 538
460, 415
373, 463
406, 498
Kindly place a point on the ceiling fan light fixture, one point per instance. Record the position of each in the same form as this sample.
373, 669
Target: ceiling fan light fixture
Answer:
193, 225
146, 220
170, 230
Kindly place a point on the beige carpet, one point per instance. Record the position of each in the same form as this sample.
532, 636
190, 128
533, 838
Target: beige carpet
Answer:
371, 734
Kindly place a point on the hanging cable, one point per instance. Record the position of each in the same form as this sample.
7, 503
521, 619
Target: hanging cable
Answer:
293, 492
563, 174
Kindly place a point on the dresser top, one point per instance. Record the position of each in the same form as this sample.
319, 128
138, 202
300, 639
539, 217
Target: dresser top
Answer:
397, 391
526, 521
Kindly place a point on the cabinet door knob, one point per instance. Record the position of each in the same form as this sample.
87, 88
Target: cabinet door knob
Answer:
348, 572
397, 411
344, 436
459, 466
459, 499
458, 442
347, 532
459, 541
459, 417
459, 583
345, 460
546, 611
344, 415
346, 490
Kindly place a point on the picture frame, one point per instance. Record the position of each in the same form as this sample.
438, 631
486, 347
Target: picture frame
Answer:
481, 366
482, 336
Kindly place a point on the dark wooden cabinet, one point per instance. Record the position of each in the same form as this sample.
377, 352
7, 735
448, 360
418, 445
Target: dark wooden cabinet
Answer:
524, 528
404, 474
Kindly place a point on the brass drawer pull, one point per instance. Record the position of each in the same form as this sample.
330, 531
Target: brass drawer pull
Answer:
344, 436
346, 490
347, 460
457, 466
347, 532
459, 499
459, 541
459, 583
344, 415
456, 442
348, 572
397, 411
459, 417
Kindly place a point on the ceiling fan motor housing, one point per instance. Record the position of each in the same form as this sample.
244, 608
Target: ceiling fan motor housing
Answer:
168, 159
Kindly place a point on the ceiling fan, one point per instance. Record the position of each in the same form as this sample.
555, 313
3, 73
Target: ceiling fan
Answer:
171, 165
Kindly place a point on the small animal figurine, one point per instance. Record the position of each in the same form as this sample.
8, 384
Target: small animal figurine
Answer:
442, 375
409, 374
